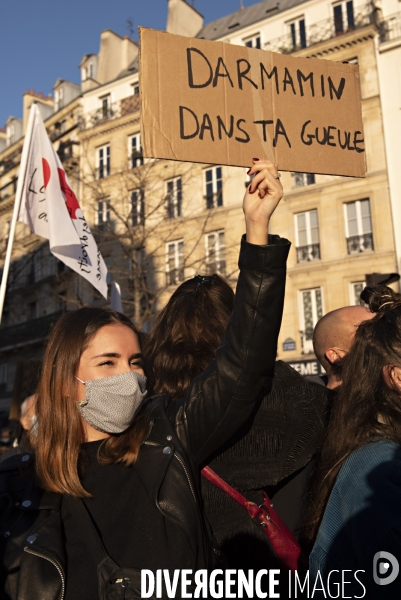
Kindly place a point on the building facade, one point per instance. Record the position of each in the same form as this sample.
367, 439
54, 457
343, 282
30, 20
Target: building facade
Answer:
159, 222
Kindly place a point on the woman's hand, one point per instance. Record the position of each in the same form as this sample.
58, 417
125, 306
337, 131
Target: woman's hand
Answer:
260, 200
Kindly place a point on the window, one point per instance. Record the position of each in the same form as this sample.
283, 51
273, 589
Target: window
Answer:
311, 310
135, 151
135, 89
108, 263
31, 310
3, 375
343, 16
174, 198
37, 265
356, 288
358, 226
307, 236
138, 207
10, 134
302, 179
253, 42
105, 106
103, 162
296, 34
175, 262
103, 215
59, 98
89, 71
215, 253
214, 187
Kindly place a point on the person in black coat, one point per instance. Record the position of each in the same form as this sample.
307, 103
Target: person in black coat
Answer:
113, 486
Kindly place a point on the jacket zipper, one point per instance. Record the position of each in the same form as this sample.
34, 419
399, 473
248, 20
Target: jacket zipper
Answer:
178, 457
56, 564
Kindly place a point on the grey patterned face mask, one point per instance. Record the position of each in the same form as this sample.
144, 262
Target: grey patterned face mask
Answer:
112, 402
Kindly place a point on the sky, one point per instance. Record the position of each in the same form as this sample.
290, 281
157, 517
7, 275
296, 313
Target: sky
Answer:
45, 40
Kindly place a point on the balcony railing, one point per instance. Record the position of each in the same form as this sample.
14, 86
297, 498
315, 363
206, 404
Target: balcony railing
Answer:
113, 111
35, 329
308, 253
390, 28
360, 243
9, 163
322, 31
8, 190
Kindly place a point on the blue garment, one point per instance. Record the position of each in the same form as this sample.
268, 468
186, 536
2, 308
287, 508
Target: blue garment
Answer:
362, 517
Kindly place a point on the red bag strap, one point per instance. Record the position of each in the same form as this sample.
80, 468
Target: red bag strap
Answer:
252, 508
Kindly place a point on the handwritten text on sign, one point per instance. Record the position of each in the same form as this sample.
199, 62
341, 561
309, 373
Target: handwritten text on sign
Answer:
219, 103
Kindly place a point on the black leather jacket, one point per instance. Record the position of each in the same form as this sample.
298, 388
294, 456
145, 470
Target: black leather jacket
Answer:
184, 433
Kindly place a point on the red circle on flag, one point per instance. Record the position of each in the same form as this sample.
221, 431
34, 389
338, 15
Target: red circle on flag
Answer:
46, 171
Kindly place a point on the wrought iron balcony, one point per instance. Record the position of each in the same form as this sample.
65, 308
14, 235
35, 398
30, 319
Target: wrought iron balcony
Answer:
8, 190
32, 330
113, 111
360, 243
308, 253
390, 28
322, 31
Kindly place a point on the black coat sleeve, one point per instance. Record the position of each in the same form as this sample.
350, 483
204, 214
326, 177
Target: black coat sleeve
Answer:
223, 396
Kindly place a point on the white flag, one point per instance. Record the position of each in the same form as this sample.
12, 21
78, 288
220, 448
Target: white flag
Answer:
50, 207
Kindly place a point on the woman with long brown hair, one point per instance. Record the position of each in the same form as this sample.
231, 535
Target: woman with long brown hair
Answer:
113, 486
273, 449
355, 509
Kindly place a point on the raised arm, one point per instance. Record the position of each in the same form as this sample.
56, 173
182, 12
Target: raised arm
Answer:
223, 396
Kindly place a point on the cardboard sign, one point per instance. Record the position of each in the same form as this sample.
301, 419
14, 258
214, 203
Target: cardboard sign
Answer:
218, 103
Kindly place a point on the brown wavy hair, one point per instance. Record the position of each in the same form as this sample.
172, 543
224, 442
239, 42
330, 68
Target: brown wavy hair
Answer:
60, 431
366, 407
186, 335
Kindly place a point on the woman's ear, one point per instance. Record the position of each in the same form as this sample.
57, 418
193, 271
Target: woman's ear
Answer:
392, 377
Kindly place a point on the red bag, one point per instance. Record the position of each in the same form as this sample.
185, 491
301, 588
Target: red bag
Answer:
280, 537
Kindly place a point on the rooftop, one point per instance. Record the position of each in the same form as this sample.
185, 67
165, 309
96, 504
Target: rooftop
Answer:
244, 17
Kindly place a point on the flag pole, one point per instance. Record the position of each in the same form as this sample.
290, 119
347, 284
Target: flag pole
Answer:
17, 204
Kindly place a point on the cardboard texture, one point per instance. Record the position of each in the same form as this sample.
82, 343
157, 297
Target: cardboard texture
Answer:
213, 102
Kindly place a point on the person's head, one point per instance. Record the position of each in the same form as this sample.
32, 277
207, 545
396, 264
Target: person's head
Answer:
333, 337
368, 404
187, 334
86, 344
28, 416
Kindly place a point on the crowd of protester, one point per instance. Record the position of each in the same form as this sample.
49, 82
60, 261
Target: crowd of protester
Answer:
91, 493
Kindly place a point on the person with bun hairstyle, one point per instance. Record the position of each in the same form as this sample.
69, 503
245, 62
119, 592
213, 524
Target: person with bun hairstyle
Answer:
272, 450
113, 485
355, 509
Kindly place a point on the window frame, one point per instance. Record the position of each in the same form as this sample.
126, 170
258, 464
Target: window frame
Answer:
174, 208
220, 253
217, 192
307, 214
352, 294
309, 253
137, 160
179, 266
346, 25
295, 30
307, 345
102, 225
305, 179
105, 168
358, 216
140, 202
248, 41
